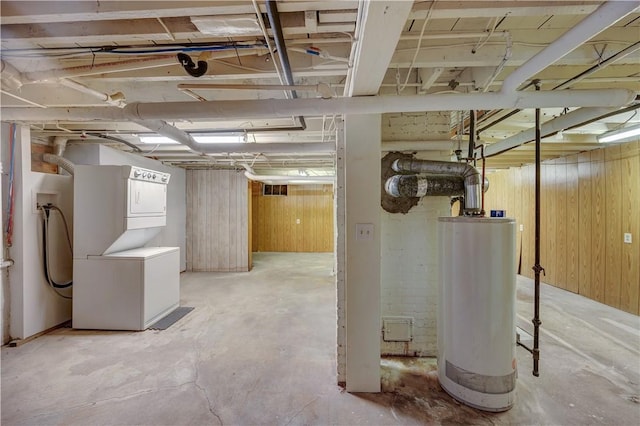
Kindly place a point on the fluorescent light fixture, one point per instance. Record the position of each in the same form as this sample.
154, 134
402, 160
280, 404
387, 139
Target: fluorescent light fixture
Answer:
219, 138
620, 134
157, 140
203, 139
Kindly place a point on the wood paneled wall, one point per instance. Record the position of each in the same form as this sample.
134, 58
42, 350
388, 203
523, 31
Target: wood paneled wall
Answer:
301, 221
588, 202
217, 221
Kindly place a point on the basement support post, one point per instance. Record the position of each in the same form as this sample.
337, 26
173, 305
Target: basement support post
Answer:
362, 133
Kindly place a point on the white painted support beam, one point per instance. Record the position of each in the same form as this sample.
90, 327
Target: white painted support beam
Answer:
377, 37
570, 119
489, 9
283, 108
27, 12
362, 277
605, 16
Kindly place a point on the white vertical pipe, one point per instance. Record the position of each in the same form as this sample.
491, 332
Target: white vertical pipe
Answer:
602, 18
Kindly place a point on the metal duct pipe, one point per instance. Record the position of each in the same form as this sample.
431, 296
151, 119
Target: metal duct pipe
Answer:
420, 186
471, 176
602, 18
279, 108
59, 161
276, 27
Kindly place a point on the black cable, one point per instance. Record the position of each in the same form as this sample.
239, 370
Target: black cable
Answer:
46, 209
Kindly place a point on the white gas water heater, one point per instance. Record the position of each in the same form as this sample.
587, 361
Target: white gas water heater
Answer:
476, 311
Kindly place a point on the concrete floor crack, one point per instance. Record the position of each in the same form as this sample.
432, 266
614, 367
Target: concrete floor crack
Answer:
297, 413
202, 389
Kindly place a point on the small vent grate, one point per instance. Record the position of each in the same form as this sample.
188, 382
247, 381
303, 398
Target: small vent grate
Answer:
269, 190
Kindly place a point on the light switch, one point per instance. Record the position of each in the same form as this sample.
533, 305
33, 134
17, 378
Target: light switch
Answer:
627, 238
364, 231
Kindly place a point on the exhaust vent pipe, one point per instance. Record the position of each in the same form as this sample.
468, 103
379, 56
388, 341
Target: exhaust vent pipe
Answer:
472, 180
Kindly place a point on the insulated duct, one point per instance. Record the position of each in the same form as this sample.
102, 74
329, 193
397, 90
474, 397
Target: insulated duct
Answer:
470, 175
420, 186
59, 161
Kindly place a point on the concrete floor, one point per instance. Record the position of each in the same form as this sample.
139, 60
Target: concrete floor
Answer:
259, 348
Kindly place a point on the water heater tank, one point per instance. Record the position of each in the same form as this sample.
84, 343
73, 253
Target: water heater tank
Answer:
476, 311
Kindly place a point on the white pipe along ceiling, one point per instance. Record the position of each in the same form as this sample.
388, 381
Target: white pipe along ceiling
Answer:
394, 58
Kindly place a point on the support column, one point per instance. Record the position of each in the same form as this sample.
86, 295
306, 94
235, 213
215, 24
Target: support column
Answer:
362, 135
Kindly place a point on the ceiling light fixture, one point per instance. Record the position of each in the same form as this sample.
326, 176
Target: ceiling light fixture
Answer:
203, 139
620, 134
157, 140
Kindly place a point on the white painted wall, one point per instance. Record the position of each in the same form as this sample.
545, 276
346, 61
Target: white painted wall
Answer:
409, 271
362, 273
172, 235
33, 306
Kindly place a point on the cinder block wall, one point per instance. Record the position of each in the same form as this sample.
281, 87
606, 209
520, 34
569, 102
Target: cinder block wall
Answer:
409, 274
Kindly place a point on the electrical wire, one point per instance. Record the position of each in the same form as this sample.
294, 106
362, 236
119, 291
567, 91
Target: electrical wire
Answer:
415, 55
483, 42
46, 210
11, 191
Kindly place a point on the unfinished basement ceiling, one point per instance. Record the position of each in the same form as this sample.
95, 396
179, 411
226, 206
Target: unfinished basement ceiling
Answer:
106, 54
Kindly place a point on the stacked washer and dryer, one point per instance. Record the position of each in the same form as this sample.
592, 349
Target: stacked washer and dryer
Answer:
118, 284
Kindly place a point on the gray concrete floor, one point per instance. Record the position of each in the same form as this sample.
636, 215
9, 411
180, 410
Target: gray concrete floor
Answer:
259, 348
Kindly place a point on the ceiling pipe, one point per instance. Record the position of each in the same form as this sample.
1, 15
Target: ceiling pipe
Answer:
440, 145
600, 65
573, 80
117, 99
124, 66
606, 15
250, 174
322, 88
267, 148
279, 108
552, 126
278, 36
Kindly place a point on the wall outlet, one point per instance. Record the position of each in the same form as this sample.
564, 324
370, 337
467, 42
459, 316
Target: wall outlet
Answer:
297, 221
41, 198
521, 227
364, 231
627, 238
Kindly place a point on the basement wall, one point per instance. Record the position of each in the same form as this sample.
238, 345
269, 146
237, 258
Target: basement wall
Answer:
301, 221
409, 271
588, 202
218, 220
32, 305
